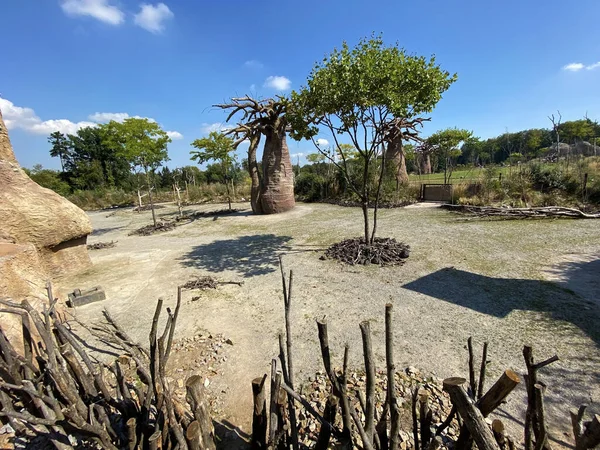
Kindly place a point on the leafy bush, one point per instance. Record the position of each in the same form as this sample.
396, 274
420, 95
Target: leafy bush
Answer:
310, 187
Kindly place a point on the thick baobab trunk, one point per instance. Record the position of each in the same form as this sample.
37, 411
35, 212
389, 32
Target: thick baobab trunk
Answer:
277, 189
397, 161
425, 163
254, 174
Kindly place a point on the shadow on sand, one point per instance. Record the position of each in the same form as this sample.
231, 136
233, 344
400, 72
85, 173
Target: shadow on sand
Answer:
247, 255
499, 296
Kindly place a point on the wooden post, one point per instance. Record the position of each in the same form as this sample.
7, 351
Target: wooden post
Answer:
196, 399
498, 392
591, 436
329, 415
273, 425
259, 419
391, 379
192, 436
365, 329
472, 381
472, 417
482, 371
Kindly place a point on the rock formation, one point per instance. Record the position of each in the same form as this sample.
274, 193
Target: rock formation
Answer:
42, 235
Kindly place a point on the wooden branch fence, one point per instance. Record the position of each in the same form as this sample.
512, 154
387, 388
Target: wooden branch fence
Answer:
52, 386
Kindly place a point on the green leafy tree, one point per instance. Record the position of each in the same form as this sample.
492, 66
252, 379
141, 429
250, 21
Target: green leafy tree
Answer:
143, 144
447, 144
49, 179
60, 147
358, 93
219, 148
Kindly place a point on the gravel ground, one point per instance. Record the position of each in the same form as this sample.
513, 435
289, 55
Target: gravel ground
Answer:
509, 283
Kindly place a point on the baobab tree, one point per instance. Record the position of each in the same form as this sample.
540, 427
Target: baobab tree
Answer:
272, 188
398, 131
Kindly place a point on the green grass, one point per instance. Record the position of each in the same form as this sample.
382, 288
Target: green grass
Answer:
458, 176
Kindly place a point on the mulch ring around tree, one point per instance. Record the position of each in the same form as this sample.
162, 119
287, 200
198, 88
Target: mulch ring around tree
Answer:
383, 252
151, 229
101, 245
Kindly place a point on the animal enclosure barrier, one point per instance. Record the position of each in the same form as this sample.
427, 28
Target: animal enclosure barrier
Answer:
436, 192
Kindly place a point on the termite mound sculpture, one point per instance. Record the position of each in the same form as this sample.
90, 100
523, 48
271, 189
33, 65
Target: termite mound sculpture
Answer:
272, 188
42, 235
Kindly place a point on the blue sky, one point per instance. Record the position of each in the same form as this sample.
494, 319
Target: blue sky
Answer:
68, 63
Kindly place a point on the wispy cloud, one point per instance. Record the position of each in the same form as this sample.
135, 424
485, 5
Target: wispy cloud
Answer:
107, 117
19, 117
576, 67
101, 10
253, 64
278, 83
175, 135
216, 126
152, 18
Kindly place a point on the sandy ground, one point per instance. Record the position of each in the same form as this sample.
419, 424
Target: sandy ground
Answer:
509, 283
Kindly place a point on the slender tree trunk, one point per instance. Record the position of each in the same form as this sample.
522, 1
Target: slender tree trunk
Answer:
228, 194
150, 197
277, 189
378, 194
365, 199
254, 174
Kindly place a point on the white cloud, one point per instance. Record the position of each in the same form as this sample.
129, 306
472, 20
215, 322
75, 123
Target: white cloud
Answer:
278, 82
593, 66
98, 9
322, 142
152, 18
252, 87
18, 117
117, 117
27, 120
217, 126
573, 67
297, 155
107, 117
175, 135
253, 64
576, 67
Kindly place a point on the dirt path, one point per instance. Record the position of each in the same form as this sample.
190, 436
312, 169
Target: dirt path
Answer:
464, 278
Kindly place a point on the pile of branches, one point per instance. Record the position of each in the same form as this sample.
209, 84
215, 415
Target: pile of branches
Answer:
365, 425
146, 208
207, 282
52, 388
217, 212
202, 283
523, 213
149, 230
101, 245
383, 252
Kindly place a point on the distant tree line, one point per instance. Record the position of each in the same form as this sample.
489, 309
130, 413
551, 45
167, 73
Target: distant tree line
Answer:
93, 159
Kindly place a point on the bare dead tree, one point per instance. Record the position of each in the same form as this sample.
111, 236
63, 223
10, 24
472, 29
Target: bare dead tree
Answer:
273, 191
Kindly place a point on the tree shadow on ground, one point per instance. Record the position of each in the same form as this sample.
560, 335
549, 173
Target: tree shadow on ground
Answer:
247, 255
559, 311
101, 231
230, 437
581, 276
500, 296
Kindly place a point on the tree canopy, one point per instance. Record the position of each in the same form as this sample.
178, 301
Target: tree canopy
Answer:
359, 94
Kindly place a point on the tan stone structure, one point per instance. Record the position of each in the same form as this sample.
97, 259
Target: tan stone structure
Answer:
42, 235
